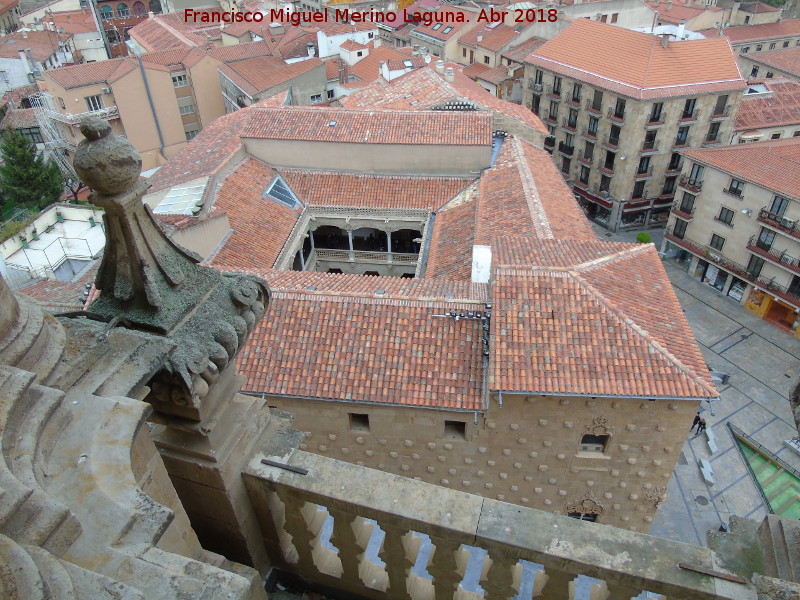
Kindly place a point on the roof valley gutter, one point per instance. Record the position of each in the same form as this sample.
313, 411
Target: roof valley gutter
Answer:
152, 106
567, 394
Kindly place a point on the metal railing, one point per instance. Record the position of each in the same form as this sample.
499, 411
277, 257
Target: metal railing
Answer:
692, 116
615, 115
594, 108
779, 222
780, 256
566, 124
364, 256
565, 149
691, 183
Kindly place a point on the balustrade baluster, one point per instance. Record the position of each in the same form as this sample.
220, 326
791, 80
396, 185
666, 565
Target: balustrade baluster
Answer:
499, 584
344, 538
296, 526
614, 591
559, 585
444, 569
398, 562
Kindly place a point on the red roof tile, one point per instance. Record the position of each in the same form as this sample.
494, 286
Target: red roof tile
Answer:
493, 37
256, 75
590, 318
773, 164
229, 54
350, 45
325, 188
520, 52
260, 224
637, 64
104, 71
444, 15
42, 44
62, 296
18, 118
786, 60
450, 253
751, 33
374, 127
780, 108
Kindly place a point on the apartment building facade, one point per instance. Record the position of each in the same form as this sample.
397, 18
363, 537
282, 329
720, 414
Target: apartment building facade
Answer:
618, 117
770, 110
735, 225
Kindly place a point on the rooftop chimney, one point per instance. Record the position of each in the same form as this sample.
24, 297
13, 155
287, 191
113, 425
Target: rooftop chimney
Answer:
449, 74
310, 46
480, 37
415, 50
681, 27
440, 67
665, 40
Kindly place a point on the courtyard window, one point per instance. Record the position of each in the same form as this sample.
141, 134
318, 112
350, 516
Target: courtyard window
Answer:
359, 422
455, 430
594, 443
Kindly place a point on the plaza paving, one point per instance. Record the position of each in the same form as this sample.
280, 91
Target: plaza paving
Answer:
764, 364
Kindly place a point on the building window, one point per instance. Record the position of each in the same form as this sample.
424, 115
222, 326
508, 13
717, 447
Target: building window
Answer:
113, 36
683, 136
779, 206
758, 47
609, 162
437, 27
619, 108
588, 151
447, 29
330, 94
557, 86
186, 110
605, 183
455, 430
644, 165
674, 161
754, 71
486, 60
679, 229
770, 75
64, 106
604, 18
689, 108
280, 191
772, 46
594, 122
765, 239
687, 203
796, 133
106, 13
576, 92
190, 135
535, 103
572, 119
786, 44
669, 186
94, 102
123, 12
592, 517
638, 190
713, 132
614, 17
736, 188
725, 216
585, 172
594, 443
755, 265
138, 9
655, 113
180, 81
463, 53
316, 98
717, 242
359, 422
565, 165
32, 133
747, 20
553, 114
539, 77
360, 53
746, 49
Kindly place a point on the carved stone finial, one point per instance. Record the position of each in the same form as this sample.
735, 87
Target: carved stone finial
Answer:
104, 162
153, 283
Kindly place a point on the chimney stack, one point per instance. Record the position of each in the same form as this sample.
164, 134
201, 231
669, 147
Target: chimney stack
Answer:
310, 47
681, 27
415, 51
449, 74
440, 67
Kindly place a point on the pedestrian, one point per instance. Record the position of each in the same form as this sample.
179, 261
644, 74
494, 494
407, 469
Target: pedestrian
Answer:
701, 427
696, 421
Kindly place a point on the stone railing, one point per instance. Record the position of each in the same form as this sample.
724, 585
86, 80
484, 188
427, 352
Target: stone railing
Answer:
110, 112
342, 526
363, 256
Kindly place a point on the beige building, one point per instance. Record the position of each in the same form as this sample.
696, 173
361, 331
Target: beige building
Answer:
735, 225
770, 110
775, 63
618, 118
751, 39
440, 36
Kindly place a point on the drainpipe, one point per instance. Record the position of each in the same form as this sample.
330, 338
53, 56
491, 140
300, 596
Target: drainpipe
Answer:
152, 106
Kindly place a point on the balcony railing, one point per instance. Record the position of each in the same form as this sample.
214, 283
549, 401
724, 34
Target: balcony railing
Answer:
755, 246
616, 115
296, 506
736, 193
569, 126
723, 221
592, 135
714, 256
691, 184
607, 168
564, 149
653, 122
683, 211
551, 118
641, 174
723, 114
535, 87
712, 138
594, 108
554, 93
682, 142
649, 147
586, 160
674, 170
550, 141
611, 143
692, 116
363, 256
112, 112
642, 196
779, 222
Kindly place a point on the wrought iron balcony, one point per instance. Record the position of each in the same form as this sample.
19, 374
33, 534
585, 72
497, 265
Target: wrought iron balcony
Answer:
615, 115
642, 174
550, 141
654, 122
537, 88
735, 192
573, 100
649, 147
756, 246
112, 112
565, 149
554, 93
592, 107
590, 135
586, 160
569, 126
683, 211
674, 170
682, 142
687, 117
612, 143
607, 168
712, 138
690, 183
779, 223
720, 115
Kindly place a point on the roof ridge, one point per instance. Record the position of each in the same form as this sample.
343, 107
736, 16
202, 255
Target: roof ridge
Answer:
531, 192
643, 333
619, 255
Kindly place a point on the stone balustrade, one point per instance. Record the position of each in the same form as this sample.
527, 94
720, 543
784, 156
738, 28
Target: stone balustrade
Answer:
293, 508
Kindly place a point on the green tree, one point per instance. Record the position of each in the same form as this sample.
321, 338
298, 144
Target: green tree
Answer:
27, 178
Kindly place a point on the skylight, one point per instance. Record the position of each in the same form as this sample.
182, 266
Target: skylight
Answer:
185, 200
447, 29
436, 27
281, 192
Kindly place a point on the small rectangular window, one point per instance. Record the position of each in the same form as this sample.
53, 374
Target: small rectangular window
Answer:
179, 81
725, 216
455, 430
186, 110
316, 98
486, 60
717, 242
94, 102
359, 422
594, 443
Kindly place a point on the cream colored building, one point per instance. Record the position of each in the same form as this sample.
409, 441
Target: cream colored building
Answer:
769, 110
736, 227
617, 123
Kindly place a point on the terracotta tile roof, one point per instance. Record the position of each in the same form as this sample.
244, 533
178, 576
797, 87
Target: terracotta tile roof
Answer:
178, 58
17, 118
590, 318
773, 164
260, 224
368, 68
205, 154
62, 296
351, 45
780, 108
326, 188
472, 71
332, 343
786, 60
423, 89
7, 5
294, 44
757, 7
374, 127
750, 33
680, 10
636, 64
105, 71
496, 75
43, 44
332, 68
256, 75
494, 38
444, 24
75, 21
450, 253
168, 31
520, 52
400, 64
229, 54
17, 95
